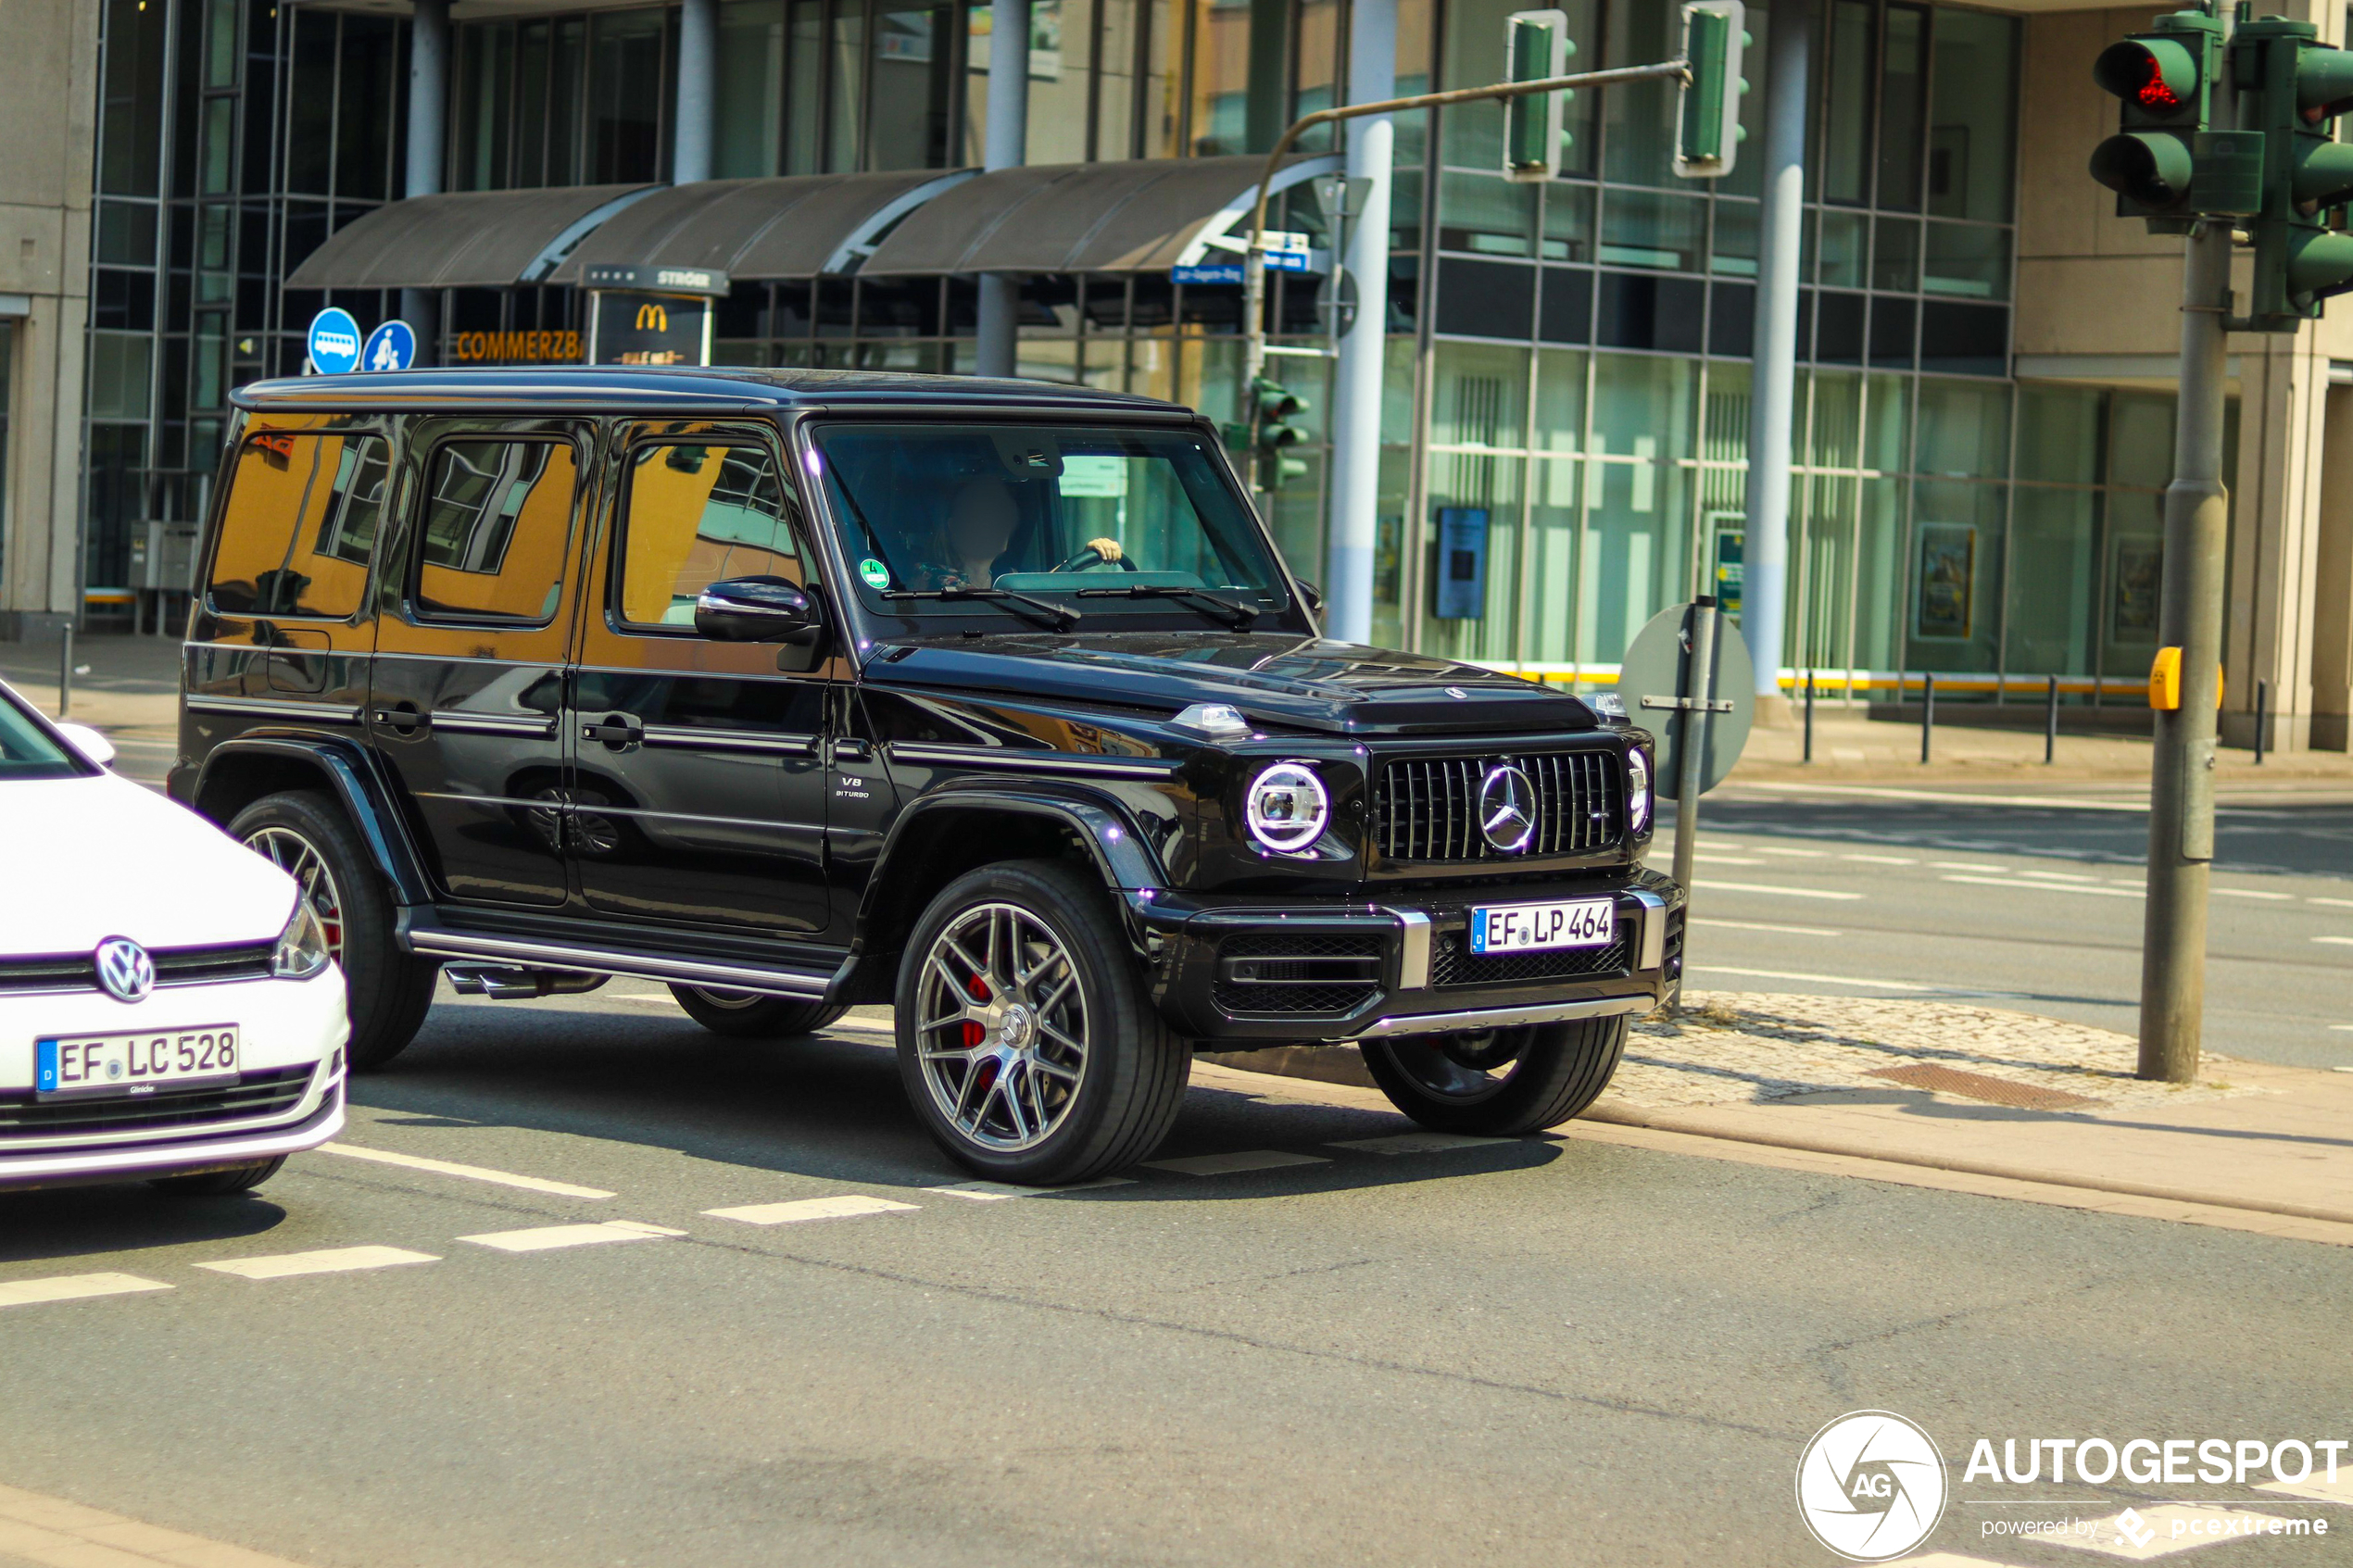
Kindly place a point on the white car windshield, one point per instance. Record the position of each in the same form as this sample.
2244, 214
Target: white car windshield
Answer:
26, 749
1093, 519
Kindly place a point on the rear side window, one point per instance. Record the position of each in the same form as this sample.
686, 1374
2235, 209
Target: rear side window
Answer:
696, 515
497, 522
300, 525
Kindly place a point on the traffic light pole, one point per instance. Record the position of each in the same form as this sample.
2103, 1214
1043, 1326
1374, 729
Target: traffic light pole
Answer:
2190, 619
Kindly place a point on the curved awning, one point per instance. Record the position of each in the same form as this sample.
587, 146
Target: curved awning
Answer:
1147, 215
463, 239
797, 226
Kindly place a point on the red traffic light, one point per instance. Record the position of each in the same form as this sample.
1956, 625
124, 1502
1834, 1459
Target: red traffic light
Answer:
2157, 76
2153, 94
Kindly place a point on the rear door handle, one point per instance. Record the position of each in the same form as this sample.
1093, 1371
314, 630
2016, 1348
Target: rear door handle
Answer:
617, 730
404, 717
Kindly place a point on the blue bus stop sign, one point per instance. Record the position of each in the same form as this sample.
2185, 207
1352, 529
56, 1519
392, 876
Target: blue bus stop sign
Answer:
334, 342
392, 346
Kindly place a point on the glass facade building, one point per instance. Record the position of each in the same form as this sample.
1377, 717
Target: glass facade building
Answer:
1568, 387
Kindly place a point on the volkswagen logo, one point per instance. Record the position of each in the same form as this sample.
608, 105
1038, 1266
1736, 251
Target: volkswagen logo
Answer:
1507, 807
124, 970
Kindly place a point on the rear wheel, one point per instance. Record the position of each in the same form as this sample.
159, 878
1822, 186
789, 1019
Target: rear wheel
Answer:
1026, 1043
220, 1184
1500, 1082
387, 990
748, 1015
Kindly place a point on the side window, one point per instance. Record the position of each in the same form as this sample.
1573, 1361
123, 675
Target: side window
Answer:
696, 515
497, 524
300, 525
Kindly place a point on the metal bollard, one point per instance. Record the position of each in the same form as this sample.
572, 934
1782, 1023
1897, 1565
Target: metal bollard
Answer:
2050, 723
1928, 714
1809, 715
2262, 706
65, 670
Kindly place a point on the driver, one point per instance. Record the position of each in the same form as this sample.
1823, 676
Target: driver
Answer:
978, 530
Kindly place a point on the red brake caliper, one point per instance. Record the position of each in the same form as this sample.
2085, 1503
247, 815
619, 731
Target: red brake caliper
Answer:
974, 1032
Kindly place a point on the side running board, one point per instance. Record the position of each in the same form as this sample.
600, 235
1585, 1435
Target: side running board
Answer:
434, 941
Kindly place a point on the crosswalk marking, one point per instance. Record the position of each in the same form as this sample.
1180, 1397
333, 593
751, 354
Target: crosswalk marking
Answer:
1231, 1164
841, 1206
2049, 886
1759, 925
72, 1287
993, 1192
1761, 887
469, 1172
544, 1238
333, 1260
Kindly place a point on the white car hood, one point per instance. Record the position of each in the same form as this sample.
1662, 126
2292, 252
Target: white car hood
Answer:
86, 859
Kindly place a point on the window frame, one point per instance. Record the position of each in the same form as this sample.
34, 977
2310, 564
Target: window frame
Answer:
617, 562
412, 603
388, 513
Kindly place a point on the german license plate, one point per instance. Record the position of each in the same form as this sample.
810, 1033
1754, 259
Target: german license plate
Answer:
1528, 928
135, 1064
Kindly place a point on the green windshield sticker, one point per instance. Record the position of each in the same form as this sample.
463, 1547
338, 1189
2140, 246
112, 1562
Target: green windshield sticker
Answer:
875, 575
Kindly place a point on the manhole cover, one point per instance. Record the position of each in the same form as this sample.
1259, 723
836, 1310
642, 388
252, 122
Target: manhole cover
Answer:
1979, 1085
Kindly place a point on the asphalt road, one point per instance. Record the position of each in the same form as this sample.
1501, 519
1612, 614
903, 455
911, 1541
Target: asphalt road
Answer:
1532, 1351
2033, 902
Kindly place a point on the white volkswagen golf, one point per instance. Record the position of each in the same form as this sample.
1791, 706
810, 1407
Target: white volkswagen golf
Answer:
170, 1007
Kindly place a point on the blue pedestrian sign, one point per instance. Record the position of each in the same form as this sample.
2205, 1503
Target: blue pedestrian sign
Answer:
392, 346
334, 342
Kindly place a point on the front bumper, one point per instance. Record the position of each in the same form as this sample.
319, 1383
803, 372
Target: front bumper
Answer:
289, 1097
1267, 969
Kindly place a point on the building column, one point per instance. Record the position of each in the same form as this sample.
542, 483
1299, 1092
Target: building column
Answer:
2333, 581
1354, 526
428, 150
2269, 631
697, 117
1006, 147
1773, 385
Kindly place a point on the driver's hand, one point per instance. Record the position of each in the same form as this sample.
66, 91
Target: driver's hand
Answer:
1107, 548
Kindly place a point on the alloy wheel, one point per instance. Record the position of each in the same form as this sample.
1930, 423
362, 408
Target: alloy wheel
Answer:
294, 855
1002, 1037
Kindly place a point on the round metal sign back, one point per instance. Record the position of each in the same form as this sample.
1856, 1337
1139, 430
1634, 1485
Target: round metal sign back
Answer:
1652, 677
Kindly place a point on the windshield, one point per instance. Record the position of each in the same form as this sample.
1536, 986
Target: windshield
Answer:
934, 518
26, 751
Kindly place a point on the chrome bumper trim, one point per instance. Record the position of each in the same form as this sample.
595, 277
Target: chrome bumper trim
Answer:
134, 1162
464, 944
1497, 1017
1651, 953
1413, 951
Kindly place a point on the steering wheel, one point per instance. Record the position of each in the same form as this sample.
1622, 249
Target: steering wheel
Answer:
1102, 552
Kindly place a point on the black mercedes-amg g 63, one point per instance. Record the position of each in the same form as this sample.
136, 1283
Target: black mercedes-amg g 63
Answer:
992, 701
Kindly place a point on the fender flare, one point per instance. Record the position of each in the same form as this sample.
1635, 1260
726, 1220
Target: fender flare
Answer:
345, 768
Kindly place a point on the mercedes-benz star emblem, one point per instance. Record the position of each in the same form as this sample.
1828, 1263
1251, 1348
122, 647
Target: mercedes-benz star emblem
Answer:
1507, 807
124, 970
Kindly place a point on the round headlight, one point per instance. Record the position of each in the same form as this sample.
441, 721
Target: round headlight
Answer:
1288, 808
1638, 789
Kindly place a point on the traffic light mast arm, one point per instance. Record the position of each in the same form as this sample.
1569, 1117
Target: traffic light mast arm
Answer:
1254, 258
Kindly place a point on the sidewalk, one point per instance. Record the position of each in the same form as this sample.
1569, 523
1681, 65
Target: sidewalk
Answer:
1995, 1102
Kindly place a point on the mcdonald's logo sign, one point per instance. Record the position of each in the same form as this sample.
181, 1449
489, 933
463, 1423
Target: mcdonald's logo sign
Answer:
652, 318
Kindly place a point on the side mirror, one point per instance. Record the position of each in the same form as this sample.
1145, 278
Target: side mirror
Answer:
1312, 594
756, 609
94, 747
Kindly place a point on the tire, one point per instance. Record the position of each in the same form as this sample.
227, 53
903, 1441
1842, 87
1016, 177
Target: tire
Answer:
220, 1184
1503, 1083
747, 1015
1077, 1075
388, 990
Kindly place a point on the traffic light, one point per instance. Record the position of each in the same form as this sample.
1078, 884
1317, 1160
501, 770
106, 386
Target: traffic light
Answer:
2302, 255
2163, 163
1536, 46
1273, 407
1708, 129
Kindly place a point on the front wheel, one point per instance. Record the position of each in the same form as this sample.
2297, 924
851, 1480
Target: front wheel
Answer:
747, 1015
1027, 1045
1499, 1083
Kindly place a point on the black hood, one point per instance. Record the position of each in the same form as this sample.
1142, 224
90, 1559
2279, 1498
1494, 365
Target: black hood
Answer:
1277, 679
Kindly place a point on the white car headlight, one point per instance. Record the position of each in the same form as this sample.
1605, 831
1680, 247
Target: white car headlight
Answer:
1638, 789
302, 946
1288, 808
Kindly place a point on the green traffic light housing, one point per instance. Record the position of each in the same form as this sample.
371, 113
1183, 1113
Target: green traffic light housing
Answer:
2157, 75
1707, 127
2163, 163
1536, 46
1273, 407
2297, 85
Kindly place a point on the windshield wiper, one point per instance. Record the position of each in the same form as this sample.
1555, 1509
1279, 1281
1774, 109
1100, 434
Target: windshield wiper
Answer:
1061, 617
1240, 617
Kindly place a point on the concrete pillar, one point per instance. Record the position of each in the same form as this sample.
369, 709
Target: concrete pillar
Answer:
428, 150
2333, 581
698, 115
1773, 394
2276, 539
1007, 147
1357, 381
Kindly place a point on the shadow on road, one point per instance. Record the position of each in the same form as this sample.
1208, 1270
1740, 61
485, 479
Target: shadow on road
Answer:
75, 1222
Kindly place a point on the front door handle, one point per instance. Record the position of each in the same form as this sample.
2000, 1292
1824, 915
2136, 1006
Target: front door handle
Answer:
850, 750
619, 732
403, 717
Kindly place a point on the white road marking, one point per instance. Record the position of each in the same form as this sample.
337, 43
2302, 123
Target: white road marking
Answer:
2249, 893
1884, 860
72, 1287
843, 1205
1964, 866
1819, 979
1417, 1143
2049, 886
995, 1192
336, 1260
1760, 926
471, 1172
649, 1002
1715, 860
1231, 1165
2060, 876
2347, 1027
2198, 1525
872, 1025
547, 1238
1760, 888
2317, 1487
1778, 849
2336, 941
2340, 903
2061, 802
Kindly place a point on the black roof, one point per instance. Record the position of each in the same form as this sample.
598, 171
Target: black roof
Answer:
725, 388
